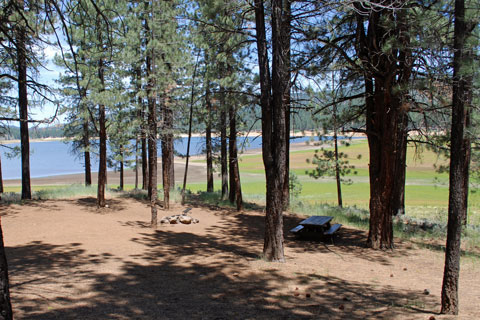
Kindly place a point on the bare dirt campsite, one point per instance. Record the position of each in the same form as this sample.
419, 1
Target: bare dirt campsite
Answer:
69, 260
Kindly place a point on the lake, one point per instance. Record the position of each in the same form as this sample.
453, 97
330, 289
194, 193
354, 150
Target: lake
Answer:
51, 158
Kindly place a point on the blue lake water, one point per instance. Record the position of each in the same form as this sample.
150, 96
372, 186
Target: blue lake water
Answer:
52, 158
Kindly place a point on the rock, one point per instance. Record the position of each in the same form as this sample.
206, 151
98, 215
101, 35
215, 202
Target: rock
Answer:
185, 219
404, 269
341, 307
178, 218
426, 292
308, 295
431, 318
391, 276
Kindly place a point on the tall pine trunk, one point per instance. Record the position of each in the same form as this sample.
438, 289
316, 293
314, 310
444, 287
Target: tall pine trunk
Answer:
141, 130
286, 35
23, 107
121, 169
144, 157
5, 304
459, 151
387, 108
223, 147
152, 152
102, 169
86, 153
152, 126
144, 145
208, 139
235, 186
272, 98
137, 141
152, 156
167, 153
399, 204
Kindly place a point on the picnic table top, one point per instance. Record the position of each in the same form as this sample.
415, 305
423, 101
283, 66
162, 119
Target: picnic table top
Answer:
316, 221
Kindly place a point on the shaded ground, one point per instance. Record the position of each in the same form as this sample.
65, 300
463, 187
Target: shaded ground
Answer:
70, 261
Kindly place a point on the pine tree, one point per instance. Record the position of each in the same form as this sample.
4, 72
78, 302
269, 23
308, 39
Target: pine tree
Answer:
274, 86
459, 151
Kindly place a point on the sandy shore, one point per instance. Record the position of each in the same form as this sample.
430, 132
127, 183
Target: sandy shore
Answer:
196, 171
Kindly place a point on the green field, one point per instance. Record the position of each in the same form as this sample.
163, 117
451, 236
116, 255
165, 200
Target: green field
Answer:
426, 191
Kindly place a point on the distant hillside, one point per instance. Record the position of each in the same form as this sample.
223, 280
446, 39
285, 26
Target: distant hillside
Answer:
13, 132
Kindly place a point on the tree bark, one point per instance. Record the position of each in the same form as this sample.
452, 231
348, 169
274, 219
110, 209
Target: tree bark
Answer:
137, 140
102, 170
144, 145
208, 140
23, 107
399, 204
152, 151
167, 153
121, 170
152, 147
145, 175
273, 125
5, 303
235, 195
459, 150
86, 154
223, 147
286, 35
387, 108
140, 133
152, 128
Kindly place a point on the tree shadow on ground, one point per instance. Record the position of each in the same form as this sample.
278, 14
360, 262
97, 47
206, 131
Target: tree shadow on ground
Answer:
16, 208
87, 203
90, 204
173, 281
249, 228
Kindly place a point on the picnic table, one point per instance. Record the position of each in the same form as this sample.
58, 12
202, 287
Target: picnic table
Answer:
315, 226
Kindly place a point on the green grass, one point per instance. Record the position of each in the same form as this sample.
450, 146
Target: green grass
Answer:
426, 190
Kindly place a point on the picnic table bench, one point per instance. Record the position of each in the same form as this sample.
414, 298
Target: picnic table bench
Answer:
315, 226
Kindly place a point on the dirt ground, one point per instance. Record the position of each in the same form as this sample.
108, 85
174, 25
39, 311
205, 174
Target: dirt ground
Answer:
68, 260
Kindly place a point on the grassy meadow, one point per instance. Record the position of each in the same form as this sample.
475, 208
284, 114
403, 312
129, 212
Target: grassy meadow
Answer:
426, 192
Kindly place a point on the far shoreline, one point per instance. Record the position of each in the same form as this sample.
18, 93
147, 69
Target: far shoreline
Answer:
197, 172
305, 133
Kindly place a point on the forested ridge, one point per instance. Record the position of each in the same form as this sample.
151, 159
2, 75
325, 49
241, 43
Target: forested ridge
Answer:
13, 133
134, 73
